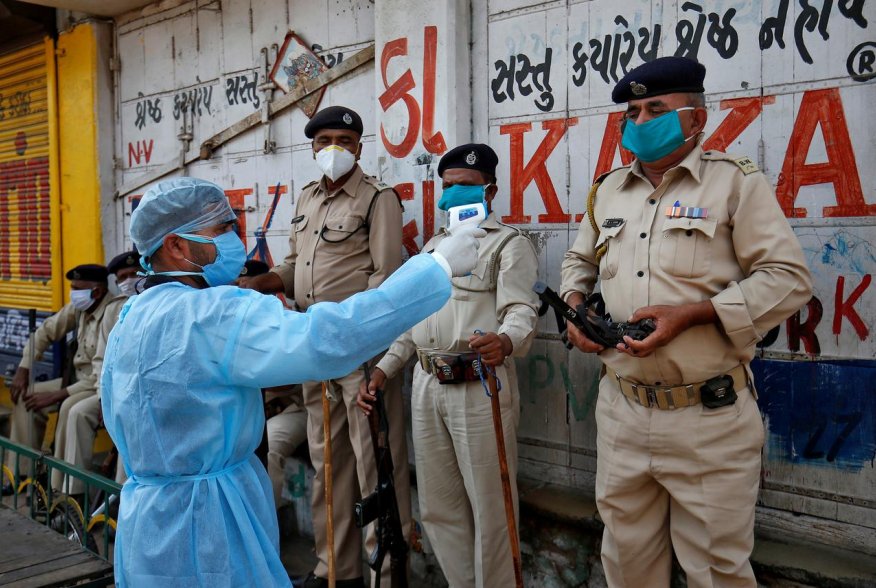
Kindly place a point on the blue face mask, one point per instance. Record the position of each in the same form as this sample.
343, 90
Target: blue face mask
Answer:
459, 195
656, 138
230, 257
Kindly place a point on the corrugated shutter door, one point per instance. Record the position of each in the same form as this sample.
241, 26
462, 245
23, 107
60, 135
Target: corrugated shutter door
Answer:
25, 196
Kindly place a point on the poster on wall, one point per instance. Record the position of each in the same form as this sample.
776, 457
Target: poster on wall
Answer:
295, 64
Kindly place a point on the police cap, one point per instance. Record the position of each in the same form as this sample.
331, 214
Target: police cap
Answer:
333, 117
475, 156
664, 75
123, 260
89, 272
254, 267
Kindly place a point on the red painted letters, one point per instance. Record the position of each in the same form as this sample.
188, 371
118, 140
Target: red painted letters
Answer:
744, 112
432, 140
824, 109
846, 308
535, 169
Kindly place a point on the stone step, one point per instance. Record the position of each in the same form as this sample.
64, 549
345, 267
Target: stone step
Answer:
561, 534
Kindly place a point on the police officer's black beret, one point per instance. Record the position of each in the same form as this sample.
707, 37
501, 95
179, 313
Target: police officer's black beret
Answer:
88, 272
254, 267
470, 156
123, 260
333, 117
664, 75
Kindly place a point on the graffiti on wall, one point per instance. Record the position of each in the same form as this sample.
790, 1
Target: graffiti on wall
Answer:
820, 111
148, 111
140, 152
419, 124
611, 55
243, 89
195, 100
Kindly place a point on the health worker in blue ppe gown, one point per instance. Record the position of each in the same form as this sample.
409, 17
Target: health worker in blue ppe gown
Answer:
183, 371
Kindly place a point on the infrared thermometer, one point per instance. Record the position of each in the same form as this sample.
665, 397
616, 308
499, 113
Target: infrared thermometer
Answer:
467, 214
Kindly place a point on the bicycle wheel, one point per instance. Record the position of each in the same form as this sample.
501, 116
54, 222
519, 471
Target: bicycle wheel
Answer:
40, 505
67, 519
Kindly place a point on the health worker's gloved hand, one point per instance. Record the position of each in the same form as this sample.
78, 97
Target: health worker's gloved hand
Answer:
458, 253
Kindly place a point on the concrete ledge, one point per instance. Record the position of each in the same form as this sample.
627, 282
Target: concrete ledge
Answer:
561, 536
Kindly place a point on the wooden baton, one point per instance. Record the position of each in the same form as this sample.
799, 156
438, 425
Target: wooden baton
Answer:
506, 478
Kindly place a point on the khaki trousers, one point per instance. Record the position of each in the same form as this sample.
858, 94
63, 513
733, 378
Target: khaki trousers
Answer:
683, 480
21, 428
458, 478
354, 472
82, 423
286, 431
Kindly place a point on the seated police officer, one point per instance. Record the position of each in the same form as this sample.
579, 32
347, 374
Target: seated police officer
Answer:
85, 417
83, 314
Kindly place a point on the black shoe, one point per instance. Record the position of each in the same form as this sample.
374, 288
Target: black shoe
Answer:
314, 581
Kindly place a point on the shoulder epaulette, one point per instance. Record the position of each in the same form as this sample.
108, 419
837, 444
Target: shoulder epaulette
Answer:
313, 183
591, 207
604, 175
744, 163
371, 180
518, 230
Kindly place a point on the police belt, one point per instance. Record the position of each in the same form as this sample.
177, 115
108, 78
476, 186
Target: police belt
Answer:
450, 367
672, 397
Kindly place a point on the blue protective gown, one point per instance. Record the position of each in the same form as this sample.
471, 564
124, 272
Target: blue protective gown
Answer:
181, 400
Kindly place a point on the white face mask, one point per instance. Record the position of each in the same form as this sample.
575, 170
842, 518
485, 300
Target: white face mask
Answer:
129, 287
81, 299
335, 161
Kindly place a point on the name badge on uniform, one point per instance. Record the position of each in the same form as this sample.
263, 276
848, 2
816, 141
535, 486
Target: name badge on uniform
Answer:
610, 223
679, 211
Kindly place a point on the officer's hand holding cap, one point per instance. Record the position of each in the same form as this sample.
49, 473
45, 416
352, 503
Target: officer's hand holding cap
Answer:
458, 253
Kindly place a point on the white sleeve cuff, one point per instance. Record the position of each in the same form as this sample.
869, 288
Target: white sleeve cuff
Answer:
442, 261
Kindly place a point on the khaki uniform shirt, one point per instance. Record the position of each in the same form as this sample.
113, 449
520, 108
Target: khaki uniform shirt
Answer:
56, 327
110, 318
743, 256
337, 248
496, 297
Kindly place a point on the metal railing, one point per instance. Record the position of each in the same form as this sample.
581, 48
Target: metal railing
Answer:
34, 495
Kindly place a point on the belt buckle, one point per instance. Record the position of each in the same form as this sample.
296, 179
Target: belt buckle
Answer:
649, 399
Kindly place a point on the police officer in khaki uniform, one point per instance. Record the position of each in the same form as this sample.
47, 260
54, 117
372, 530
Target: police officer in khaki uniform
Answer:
458, 476
346, 237
696, 242
85, 416
84, 313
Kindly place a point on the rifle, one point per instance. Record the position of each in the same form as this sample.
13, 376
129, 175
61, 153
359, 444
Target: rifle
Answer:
591, 319
327, 472
381, 505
